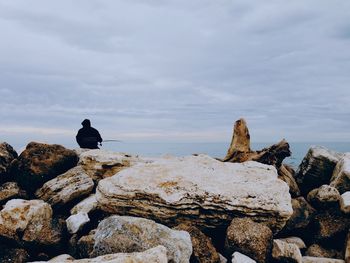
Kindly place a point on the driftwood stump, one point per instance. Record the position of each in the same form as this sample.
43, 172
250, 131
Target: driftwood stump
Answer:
240, 151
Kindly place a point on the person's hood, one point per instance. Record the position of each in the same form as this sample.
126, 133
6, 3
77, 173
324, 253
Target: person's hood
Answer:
86, 123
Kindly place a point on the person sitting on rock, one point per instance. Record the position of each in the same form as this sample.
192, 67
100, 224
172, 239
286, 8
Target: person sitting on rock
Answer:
88, 137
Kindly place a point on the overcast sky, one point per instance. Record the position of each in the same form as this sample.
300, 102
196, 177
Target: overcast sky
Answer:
175, 70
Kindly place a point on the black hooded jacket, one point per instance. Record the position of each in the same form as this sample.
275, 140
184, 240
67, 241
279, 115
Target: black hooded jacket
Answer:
88, 137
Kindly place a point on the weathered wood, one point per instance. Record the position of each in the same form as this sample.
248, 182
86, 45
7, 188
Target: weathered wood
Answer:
239, 150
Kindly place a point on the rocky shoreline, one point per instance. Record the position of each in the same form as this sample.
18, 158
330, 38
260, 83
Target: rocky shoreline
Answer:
62, 205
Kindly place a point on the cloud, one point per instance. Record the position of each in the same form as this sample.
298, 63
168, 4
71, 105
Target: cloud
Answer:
175, 70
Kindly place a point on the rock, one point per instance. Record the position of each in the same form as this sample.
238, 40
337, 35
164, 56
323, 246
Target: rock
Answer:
155, 255
77, 221
286, 252
321, 260
287, 174
316, 168
315, 250
10, 190
240, 258
345, 202
85, 245
87, 205
28, 221
203, 249
250, 238
199, 190
71, 185
222, 259
295, 240
7, 155
39, 163
100, 164
341, 174
347, 248
132, 234
13, 255
302, 215
324, 196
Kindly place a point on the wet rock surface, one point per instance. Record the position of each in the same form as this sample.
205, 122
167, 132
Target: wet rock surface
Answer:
7, 155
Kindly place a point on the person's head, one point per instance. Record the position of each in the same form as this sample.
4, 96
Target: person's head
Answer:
86, 123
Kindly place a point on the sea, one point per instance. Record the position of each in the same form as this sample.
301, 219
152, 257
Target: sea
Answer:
215, 149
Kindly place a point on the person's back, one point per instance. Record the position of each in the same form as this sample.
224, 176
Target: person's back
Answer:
88, 137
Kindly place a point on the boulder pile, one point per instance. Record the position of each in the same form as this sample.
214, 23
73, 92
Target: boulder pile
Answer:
61, 205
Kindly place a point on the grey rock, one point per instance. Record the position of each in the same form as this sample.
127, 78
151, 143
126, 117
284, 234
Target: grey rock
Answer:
286, 252
341, 174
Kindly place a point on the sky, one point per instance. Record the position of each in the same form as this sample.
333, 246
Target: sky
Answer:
174, 70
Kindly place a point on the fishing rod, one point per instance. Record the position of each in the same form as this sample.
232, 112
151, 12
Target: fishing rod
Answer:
112, 141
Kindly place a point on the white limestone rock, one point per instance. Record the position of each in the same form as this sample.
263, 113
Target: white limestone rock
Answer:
283, 251
240, 258
87, 205
345, 202
341, 174
76, 222
324, 196
153, 255
73, 184
26, 220
316, 168
198, 189
100, 164
321, 260
132, 234
295, 240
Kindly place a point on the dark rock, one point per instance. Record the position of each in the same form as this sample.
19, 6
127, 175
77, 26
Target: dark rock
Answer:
341, 175
316, 250
85, 245
302, 215
316, 168
39, 163
13, 255
203, 249
286, 174
7, 155
249, 238
323, 197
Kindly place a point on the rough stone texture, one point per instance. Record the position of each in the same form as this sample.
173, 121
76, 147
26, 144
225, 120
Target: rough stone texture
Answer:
345, 202
39, 163
341, 174
316, 168
85, 245
100, 164
199, 190
324, 196
73, 184
87, 205
77, 221
286, 174
240, 258
347, 248
321, 260
203, 249
222, 259
286, 252
331, 226
13, 255
316, 250
132, 234
10, 190
302, 215
250, 238
7, 155
295, 240
153, 255
27, 221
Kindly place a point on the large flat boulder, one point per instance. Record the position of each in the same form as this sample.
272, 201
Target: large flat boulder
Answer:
100, 164
154, 255
133, 234
316, 168
341, 175
73, 184
39, 163
199, 190
7, 155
